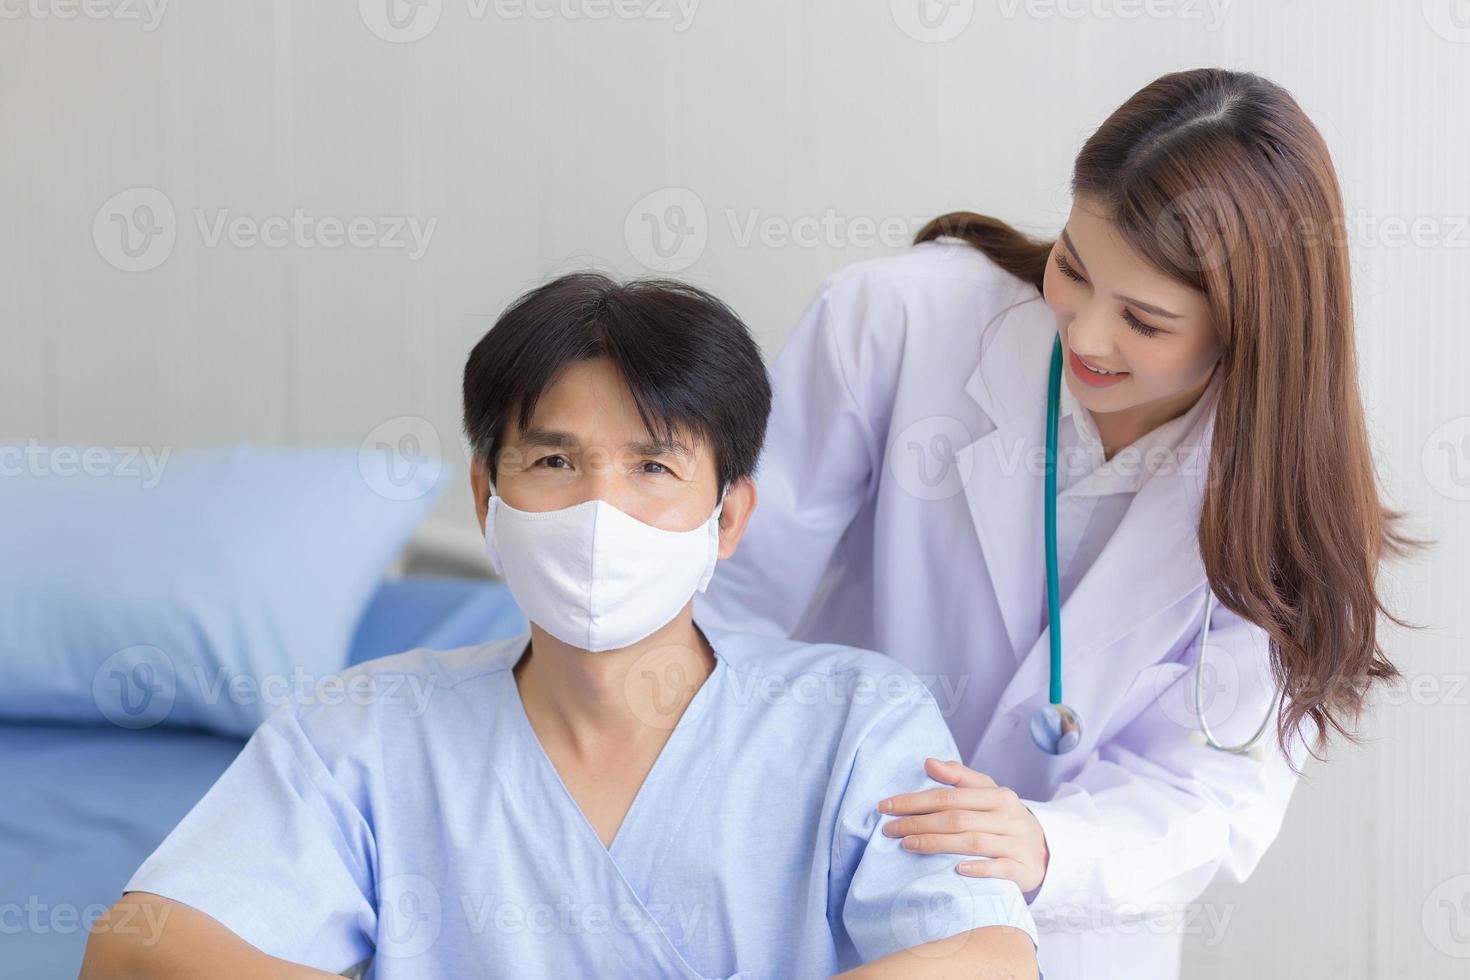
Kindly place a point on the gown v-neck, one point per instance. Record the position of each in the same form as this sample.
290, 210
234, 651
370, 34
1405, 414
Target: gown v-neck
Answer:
681, 763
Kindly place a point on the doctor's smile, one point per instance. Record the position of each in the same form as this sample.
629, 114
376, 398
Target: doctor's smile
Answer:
1097, 377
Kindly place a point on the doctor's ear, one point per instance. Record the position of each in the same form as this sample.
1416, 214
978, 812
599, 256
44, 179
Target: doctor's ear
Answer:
739, 504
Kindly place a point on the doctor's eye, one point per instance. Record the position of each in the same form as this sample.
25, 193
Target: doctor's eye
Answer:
1128, 317
1139, 325
550, 461
1067, 269
661, 468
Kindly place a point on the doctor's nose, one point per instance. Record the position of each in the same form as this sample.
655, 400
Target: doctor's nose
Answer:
1091, 335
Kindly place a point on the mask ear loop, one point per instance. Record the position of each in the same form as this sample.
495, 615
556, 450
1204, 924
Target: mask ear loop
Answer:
490, 550
714, 540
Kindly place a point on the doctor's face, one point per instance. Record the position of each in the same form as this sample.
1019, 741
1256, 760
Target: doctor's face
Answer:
586, 441
1118, 314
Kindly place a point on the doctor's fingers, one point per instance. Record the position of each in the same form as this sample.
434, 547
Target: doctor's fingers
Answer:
973, 843
954, 822
953, 798
996, 868
956, 773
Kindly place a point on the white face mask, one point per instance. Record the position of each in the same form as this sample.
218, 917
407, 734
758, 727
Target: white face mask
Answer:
594, 577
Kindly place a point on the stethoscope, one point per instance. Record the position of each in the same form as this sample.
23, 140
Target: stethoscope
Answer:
1056, 728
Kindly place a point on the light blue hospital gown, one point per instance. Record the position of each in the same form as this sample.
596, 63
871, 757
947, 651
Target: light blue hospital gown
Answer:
419, 822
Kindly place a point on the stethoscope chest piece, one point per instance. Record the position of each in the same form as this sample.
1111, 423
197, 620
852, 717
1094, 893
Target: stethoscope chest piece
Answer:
1056, 729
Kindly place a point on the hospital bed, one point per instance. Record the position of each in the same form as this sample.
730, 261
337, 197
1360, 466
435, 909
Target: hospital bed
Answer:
247, 562
85, 804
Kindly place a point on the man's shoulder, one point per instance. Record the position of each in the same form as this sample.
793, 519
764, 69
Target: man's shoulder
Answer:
353, 706
445, 668
850, 676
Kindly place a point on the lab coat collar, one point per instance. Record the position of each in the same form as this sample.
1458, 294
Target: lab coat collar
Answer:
1019, 333
1129, 469
1151, 561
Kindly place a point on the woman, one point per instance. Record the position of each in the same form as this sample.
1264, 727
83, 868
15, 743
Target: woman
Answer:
1211, 445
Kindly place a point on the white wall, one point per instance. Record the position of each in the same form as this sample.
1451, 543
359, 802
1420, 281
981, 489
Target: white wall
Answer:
530, 143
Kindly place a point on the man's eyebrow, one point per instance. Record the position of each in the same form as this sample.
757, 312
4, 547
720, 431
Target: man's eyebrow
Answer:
546, 438
1146, 307
656, 447
552, 439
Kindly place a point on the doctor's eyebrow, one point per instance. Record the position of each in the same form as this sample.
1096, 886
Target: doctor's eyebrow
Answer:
1146, 307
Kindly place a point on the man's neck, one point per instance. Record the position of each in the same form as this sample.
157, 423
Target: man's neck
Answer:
597, 701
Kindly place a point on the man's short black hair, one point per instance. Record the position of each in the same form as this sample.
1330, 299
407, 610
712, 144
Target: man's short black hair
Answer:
688, 359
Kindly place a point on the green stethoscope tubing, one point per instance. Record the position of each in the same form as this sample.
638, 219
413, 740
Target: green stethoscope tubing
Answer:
1054, 609
1053, 576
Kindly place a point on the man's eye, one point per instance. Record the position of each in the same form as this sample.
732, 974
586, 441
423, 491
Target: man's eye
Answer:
552, 461
660, 467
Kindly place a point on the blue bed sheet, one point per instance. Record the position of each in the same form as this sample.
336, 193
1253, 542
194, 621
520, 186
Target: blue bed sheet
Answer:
84, 804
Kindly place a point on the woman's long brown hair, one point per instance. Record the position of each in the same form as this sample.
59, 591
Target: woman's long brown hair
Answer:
1218, 179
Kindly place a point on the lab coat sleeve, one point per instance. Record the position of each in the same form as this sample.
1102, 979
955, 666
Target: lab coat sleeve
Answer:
884, 897
276, 852
815, 472
1153, 819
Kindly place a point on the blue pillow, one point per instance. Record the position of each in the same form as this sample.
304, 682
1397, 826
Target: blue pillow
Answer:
440, 612
197, 588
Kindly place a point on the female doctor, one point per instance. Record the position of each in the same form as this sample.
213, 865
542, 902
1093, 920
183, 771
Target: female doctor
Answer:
1210, 449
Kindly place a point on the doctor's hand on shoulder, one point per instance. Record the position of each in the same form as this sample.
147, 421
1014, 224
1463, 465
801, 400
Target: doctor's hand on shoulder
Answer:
972, 815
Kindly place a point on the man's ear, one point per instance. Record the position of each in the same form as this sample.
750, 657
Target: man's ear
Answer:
739, 505
480, 488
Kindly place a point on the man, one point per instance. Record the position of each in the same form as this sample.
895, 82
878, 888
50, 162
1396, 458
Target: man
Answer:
617, 792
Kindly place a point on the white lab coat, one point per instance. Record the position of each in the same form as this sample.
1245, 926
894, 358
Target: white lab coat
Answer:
900, 509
